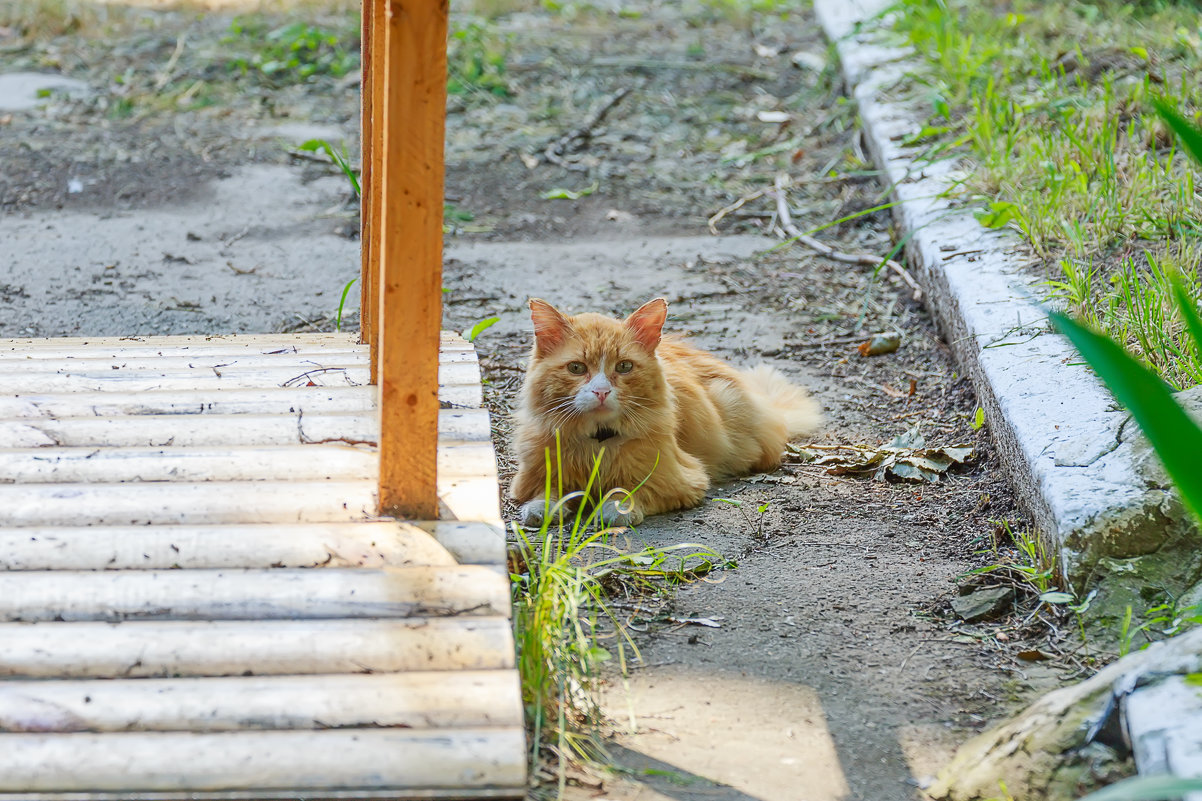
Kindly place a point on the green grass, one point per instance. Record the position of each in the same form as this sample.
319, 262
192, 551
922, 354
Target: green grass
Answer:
1027, 562
292, 52
743, 12
1156, 623
1051, 106
45, 19
477, 56
563, 577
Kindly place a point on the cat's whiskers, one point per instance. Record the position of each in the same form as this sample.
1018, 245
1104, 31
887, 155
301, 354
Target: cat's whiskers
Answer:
638, 417
561, 413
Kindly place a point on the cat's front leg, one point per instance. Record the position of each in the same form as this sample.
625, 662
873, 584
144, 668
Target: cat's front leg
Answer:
621, 512
533, 512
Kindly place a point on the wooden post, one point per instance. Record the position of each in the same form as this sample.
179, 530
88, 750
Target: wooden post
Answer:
372, 95
366, 179
410, 311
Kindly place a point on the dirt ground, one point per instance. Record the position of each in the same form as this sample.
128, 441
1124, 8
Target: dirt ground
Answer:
827, 665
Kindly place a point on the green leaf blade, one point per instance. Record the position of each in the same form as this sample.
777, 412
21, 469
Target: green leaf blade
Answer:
1146, 788
1191, 137
479, 328
1176, 438
342, 302
1193, 323
999, 214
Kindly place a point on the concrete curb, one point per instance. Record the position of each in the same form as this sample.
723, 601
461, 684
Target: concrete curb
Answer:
1078, 468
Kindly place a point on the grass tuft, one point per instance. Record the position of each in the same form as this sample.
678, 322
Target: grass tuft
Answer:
564, 577
1053, 108
40, 20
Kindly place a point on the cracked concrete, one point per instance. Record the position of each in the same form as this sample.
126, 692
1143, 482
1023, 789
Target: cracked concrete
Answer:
1077, 469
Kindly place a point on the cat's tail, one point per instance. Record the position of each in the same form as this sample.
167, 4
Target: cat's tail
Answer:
801, 413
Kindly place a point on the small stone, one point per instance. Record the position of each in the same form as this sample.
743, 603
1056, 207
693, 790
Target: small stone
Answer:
983, 604
808, 61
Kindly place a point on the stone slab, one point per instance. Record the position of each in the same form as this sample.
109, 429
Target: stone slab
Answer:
1054, 746
1116, 523
1162, 742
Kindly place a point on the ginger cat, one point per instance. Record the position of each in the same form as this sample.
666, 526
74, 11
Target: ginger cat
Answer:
669, 416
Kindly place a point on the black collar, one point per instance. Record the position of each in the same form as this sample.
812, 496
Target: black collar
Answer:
604, 433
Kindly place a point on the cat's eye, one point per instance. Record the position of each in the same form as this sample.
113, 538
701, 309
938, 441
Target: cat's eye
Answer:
577, 368
625, 366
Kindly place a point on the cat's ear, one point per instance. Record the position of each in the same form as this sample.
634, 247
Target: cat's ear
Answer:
647, 322
550, 327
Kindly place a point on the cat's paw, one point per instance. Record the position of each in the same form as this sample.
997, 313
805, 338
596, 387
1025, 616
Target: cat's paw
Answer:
616, 513
532, 513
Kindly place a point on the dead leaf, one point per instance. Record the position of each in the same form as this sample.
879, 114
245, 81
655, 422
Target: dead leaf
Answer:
880, 344
906, 458
1033, 655
794, 453
708, 622
913, 438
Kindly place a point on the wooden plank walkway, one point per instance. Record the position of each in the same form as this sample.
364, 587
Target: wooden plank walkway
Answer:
198, 600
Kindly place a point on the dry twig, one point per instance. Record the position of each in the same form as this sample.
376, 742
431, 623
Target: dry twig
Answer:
738, 204
793, 232
576, 138
164, 76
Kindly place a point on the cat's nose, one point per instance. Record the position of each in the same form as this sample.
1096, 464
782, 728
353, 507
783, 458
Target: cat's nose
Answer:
601, 394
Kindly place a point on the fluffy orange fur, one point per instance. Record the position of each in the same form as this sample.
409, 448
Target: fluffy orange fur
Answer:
669, 416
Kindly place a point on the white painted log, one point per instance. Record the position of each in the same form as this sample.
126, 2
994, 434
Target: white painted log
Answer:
234, 343
205, 430
466, 394
152, 503
467, 481
274, 400
190, 430
382, 544
87, 361
472, 426
285, 761
451, 699
252, 594
252, 434
480, 542
229, 343
366, 794
213, 502
103, 379
137, 649
463, 391
330, 461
